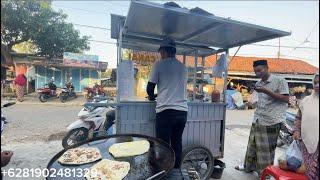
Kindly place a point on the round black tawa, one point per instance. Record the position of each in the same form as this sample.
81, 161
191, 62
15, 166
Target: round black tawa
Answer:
159, 158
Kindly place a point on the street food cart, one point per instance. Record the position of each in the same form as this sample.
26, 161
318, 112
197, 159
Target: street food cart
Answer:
198, 34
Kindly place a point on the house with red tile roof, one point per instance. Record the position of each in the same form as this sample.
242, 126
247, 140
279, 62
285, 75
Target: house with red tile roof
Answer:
240, 67
298, 73
295, 71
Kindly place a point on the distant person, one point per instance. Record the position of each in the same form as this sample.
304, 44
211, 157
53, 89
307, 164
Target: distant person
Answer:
273, 98
32, 84
19, 83
307, 130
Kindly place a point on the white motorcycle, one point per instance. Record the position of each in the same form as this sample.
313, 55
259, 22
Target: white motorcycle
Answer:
92, 122
4, 121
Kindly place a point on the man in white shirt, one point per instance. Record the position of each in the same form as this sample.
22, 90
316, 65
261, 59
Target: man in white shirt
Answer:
170, 76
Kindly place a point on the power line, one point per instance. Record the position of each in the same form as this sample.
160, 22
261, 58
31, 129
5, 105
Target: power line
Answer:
268, 45
299, 58
79, 9
314, 27
265, 45
116, 4
297, 41
104, 42
257, 55
95, 27
307, 38
97, 12
274, 56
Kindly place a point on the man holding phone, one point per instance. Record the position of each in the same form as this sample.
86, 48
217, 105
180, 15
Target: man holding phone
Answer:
273, 98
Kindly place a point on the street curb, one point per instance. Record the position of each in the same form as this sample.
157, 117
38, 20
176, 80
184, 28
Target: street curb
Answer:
33, 100
52, 103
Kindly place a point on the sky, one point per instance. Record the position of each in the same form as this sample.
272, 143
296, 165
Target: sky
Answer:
301, 18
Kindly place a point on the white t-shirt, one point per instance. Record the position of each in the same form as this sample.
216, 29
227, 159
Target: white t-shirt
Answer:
170, 75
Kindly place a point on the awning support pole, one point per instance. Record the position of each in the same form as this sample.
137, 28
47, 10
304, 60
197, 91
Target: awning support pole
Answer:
202, 73
195, 74
119, 59
225, 76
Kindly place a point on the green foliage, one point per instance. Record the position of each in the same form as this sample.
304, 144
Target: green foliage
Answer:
35, 21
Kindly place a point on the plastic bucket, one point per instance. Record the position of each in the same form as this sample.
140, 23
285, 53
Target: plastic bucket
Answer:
218, 169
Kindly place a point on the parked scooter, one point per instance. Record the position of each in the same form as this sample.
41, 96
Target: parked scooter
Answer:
3, 118
286, 131
48, 91
92, 121
5, 155
94, 91
67, 92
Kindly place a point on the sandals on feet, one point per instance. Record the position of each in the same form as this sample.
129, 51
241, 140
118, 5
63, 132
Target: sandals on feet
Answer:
240, 167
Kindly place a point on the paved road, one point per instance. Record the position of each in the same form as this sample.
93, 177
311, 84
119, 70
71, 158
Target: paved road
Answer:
37, 122
31, 126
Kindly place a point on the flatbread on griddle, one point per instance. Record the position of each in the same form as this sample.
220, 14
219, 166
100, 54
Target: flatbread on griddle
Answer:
78, 156
108, 170
127, 149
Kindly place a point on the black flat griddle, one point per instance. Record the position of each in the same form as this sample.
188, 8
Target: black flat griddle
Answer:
159, 158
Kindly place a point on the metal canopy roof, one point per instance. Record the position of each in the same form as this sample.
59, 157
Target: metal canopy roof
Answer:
153, 46
147, 23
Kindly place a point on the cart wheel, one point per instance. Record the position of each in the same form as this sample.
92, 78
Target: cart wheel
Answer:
199, 159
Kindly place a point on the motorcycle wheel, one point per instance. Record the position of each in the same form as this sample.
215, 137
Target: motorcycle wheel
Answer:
88, 96
63, 98
43, 98
110, 120
75, 95
73, 137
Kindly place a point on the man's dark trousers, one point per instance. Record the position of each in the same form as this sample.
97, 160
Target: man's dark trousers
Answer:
169, 127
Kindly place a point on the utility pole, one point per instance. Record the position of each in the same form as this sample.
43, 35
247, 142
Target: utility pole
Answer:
279, 50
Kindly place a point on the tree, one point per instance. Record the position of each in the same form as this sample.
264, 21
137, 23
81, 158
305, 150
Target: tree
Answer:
127, 54
36, 22
106, 74
26, 47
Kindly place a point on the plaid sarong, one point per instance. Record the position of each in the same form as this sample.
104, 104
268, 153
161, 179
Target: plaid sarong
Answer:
19, 91
261, 147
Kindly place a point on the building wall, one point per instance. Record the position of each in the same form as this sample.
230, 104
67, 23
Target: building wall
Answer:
80, 77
